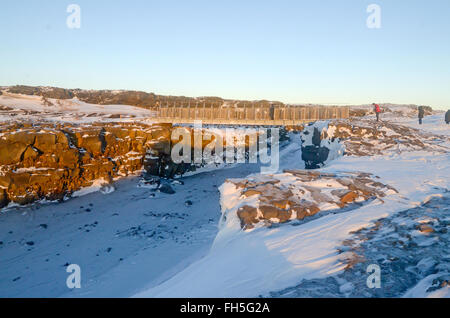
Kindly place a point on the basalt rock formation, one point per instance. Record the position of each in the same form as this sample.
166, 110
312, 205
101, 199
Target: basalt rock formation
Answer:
51, 161
367, 138
323, 142
299, 194
46, 161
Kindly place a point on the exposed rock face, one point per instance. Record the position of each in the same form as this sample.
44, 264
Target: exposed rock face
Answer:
299, 194
323, 142
51, 161
367, 138
316, 146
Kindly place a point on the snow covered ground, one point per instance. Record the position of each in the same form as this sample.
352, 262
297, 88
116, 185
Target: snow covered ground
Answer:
141, 243
434, 124
125, 240
249, 264
265, 260
32, 108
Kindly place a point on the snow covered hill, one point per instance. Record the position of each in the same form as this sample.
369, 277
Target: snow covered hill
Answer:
33, 108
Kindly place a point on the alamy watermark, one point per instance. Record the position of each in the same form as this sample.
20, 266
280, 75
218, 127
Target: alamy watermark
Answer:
228, 145
374, 279
374, 19
73, 21
74, 279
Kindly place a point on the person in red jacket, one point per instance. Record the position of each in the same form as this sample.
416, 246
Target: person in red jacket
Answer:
377, 110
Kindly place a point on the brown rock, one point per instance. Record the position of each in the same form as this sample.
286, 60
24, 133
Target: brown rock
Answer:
20, 180
249, 193
162, 146
272, 212
92, 144
69, 158
3, 198
45, 142
42, 179
5, 181
425, 228
30, 154
248, 216
161, 132
11, 153
281, 204
62, 139
27, 198
23, 137
305, 210
349, 197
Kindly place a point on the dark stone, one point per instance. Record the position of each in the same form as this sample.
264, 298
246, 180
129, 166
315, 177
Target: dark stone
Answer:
166, 188
316, 137
314, 157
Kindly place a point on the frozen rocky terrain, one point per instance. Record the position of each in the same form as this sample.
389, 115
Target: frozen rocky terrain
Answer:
33, 108
385, 202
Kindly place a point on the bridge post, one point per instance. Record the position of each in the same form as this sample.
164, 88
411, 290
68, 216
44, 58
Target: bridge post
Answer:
189, 107
204, 110
195, 111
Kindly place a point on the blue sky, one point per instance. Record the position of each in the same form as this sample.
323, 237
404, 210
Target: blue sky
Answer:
292, 51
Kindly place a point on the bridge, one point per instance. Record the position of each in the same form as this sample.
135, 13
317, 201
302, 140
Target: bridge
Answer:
249, 115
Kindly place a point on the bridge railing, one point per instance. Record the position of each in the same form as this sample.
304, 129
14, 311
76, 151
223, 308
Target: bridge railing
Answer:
251, 114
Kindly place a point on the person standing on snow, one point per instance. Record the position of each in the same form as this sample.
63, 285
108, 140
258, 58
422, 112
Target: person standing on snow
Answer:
421, 114
377, 110
447, 117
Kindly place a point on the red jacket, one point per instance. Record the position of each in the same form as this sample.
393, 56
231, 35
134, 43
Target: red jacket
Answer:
377, 108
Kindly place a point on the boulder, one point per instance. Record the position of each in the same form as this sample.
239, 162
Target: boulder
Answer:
425, 228
305, 210
349, 197
92, 144
11, 153
69, 158
3, 198
313, 154
273, 213
30, 154
45, 142
5, 181
248, 216
22, 137
166, 188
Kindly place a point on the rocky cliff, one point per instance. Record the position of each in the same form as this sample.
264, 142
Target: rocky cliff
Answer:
46, 161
